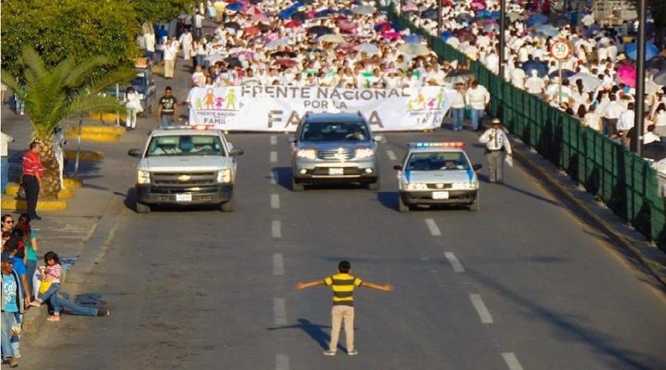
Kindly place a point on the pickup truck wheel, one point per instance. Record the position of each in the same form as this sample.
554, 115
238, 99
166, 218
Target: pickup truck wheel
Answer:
476, 204
227, 206
142, 208
296, 186
402, 207
374, 186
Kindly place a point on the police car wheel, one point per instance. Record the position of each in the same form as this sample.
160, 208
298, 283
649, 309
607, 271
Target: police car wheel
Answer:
227, 206
296, 186
142, 208
475, 205
402, 207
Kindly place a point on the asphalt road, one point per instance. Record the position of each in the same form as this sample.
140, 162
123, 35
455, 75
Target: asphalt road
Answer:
521, 284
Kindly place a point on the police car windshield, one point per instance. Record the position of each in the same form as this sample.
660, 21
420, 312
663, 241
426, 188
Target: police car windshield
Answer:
185, 145
334, 131
437, 161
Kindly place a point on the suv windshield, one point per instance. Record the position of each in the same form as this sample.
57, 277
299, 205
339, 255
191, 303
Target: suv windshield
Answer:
184, 145
437, 161
335, 131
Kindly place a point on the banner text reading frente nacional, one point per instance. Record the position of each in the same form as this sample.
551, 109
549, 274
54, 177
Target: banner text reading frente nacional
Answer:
280, 108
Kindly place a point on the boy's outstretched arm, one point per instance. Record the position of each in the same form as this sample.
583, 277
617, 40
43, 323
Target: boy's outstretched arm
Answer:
308, 284
382, 287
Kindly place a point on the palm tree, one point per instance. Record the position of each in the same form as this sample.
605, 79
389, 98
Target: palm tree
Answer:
52, 95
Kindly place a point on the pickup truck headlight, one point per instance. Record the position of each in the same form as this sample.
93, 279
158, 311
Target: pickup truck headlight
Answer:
464, 185
416, 186
224, 176
142, 177
307, 154
364, 153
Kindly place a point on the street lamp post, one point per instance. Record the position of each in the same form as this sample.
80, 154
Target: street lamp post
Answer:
639, 106
502, 39
439, 18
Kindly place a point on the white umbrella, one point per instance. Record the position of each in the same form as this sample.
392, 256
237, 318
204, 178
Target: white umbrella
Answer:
277, 43
332, 38
368, 48
363, 9
413, 49
590, 83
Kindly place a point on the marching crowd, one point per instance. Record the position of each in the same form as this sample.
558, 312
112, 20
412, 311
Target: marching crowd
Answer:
597, 83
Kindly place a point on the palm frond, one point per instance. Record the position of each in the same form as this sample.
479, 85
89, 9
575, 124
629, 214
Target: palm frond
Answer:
12, 83
94, 103
34, 61
78, 74
118, 76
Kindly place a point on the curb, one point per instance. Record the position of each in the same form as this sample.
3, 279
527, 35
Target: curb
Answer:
42, 205
630, 242
64, 194
97, 133
84, 155
106, 117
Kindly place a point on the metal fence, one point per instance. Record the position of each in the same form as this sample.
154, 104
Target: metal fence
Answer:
622, 180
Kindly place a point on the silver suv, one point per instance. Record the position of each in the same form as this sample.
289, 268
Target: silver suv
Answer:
337, 147
186, 165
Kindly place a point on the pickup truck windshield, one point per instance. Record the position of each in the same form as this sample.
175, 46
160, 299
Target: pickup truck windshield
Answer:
437, 161
185, 145
335, 131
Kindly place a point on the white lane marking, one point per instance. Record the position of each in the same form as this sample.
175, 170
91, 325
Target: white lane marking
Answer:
273, 140
273, 177
278, 264
276, 229
481, 309
455, 263
512, 361
281, 362
280, 311
432, 226
273, 156
275, 201
391, 155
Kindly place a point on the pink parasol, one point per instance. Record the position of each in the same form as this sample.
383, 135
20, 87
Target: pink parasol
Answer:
346, 26
251, 31
285, 62
479, 5
292, 24
626, 73
391, 35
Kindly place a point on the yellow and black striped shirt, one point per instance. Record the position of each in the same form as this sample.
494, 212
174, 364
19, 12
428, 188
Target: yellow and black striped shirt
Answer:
343, 286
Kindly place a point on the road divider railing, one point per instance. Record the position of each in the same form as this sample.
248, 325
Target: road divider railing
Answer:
625, 182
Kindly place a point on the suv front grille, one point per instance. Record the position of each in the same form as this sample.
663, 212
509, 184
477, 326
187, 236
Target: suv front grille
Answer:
183, 178
335, 155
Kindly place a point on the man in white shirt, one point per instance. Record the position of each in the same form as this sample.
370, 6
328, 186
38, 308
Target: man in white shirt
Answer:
535, 84
149, 40
626, 120
477, 98
198, 25
611, 114
497, 146
458, 107
518, 76
170, 50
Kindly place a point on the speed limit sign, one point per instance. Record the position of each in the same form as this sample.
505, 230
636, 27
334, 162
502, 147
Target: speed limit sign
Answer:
560, 50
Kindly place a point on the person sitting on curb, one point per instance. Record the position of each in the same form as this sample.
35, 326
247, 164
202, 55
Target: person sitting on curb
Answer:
342, 284
50, 276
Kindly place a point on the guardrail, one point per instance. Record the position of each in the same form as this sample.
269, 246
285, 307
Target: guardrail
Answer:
624, 181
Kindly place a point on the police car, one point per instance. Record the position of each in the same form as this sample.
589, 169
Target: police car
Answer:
436, 174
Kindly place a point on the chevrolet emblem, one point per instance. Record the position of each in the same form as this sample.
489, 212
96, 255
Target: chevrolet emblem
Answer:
340, 155
440, 186
184, 177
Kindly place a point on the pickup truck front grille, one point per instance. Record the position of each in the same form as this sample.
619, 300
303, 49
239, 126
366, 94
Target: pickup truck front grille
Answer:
439, 186
185, 179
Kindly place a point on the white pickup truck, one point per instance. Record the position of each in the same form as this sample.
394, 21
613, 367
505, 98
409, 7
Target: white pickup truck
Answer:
186, 166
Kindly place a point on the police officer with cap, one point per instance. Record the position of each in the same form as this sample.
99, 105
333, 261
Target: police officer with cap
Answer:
498, 150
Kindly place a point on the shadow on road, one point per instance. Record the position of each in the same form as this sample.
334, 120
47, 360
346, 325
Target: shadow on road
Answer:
313, 330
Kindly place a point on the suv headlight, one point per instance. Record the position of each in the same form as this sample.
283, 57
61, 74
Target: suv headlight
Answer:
416, 186
307, 154
142, 177
224, 175
465, 185
364, 153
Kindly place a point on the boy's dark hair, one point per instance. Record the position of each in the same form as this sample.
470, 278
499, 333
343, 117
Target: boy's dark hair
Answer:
51, 255
344, 266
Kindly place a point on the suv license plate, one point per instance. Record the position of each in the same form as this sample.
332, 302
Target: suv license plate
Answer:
440, 195
184, 197
336, 171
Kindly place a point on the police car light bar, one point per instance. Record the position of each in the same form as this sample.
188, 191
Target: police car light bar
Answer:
447, 144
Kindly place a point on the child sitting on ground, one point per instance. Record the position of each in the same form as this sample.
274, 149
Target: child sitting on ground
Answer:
49, 281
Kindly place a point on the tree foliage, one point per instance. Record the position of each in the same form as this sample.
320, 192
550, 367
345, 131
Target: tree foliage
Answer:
161, 10
58, 29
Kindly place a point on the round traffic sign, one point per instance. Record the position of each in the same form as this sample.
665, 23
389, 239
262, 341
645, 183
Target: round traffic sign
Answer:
560, 50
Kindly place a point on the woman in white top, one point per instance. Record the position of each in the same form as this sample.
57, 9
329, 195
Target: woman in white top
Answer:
660, 120
133, 105
592, 119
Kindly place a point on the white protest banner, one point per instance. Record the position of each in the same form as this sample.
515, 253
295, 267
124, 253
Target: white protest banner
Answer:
280, 108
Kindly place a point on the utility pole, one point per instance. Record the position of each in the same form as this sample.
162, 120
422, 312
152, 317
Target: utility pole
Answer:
502, 38
639, 106
439, 18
